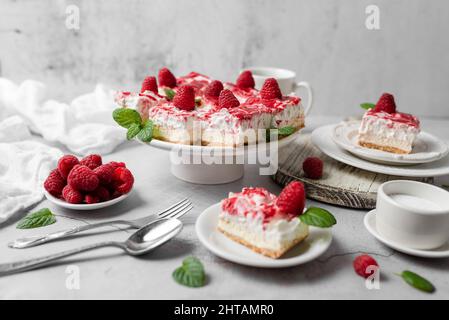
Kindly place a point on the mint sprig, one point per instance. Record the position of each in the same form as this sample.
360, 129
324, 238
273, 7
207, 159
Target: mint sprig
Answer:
41, 218
190, 273
146, 132
169, 93
417, 282
133, 130
367, 105
318, 217
126, 117
131, 120
286, 131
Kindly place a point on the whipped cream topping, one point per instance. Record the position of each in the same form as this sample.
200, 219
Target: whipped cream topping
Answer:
397, 117
257, 203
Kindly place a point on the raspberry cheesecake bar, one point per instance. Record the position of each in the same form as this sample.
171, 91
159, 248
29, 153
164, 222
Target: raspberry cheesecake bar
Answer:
385, 129
263, 222
195, 109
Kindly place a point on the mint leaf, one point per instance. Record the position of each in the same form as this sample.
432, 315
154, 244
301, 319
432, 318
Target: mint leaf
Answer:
146, 132
367, 105
169, 93
191, 273
286, 131
126, 117
417, 281
133, 130
318, 217
41, 218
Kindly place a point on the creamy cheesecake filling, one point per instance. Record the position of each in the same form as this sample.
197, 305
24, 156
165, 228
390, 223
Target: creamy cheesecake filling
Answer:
277, 235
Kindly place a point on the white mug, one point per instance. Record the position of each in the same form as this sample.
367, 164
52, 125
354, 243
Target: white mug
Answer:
285, 78
413, 214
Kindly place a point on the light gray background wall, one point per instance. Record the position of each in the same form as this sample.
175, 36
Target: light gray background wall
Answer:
325, 41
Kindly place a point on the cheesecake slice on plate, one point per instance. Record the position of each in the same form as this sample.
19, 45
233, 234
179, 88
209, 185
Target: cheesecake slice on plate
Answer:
384, 128
263, 222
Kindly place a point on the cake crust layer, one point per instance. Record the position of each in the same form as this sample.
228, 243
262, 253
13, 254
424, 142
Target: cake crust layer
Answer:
382, 148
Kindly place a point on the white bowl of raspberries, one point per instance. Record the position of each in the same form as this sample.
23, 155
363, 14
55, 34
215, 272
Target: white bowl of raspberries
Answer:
88, 184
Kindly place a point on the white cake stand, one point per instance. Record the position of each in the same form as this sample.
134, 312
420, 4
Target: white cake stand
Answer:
230, 168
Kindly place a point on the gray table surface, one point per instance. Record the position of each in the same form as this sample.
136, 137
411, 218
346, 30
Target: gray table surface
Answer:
110, 274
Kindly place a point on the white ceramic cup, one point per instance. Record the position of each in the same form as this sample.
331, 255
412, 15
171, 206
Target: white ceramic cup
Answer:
285, 78
413, 214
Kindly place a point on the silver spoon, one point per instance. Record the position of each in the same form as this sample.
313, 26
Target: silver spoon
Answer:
140, 242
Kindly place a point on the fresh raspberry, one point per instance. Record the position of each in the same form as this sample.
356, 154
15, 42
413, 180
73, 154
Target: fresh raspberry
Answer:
166, 78
149, 84
104, 173
227, 100
91, 161
91, 198
102, 193
185, 98
245, 80
123, 180
361, 264
82, 178
115, 164
386, 104
66, 163
72, 195
292, 198
313, 167
213, 90
270, 89
54, 183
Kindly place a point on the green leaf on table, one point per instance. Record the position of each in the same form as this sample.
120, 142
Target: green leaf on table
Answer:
367, 105
169, 93
286, 131
41, 218
146, 132
191, 273
417, 281
318, 217
126, 117
133, 130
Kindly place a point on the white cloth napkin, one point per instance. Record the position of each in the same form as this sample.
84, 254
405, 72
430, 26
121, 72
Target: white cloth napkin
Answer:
84, 126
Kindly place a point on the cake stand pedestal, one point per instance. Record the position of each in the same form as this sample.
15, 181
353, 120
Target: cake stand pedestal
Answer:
193, 163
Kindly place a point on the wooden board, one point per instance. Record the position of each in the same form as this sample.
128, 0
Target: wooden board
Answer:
341, 184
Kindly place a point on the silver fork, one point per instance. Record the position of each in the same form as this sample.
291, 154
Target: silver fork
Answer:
175, 211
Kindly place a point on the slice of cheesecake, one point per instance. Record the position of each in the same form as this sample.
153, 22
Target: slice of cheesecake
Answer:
385, 129
258, 219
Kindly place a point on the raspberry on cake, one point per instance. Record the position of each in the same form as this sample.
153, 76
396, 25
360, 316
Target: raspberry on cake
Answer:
385, 129
255, 219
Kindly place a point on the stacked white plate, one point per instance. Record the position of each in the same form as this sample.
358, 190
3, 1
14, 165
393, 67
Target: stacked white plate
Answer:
427, 159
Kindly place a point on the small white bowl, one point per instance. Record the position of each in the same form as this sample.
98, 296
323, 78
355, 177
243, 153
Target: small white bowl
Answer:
413, 214
85, 206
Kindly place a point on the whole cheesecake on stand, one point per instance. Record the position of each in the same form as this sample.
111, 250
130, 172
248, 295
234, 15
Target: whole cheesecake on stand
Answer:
224, 114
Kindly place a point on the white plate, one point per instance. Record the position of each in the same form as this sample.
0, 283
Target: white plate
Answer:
426, 148
312, 247
370, 225
322, 139
85, 206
